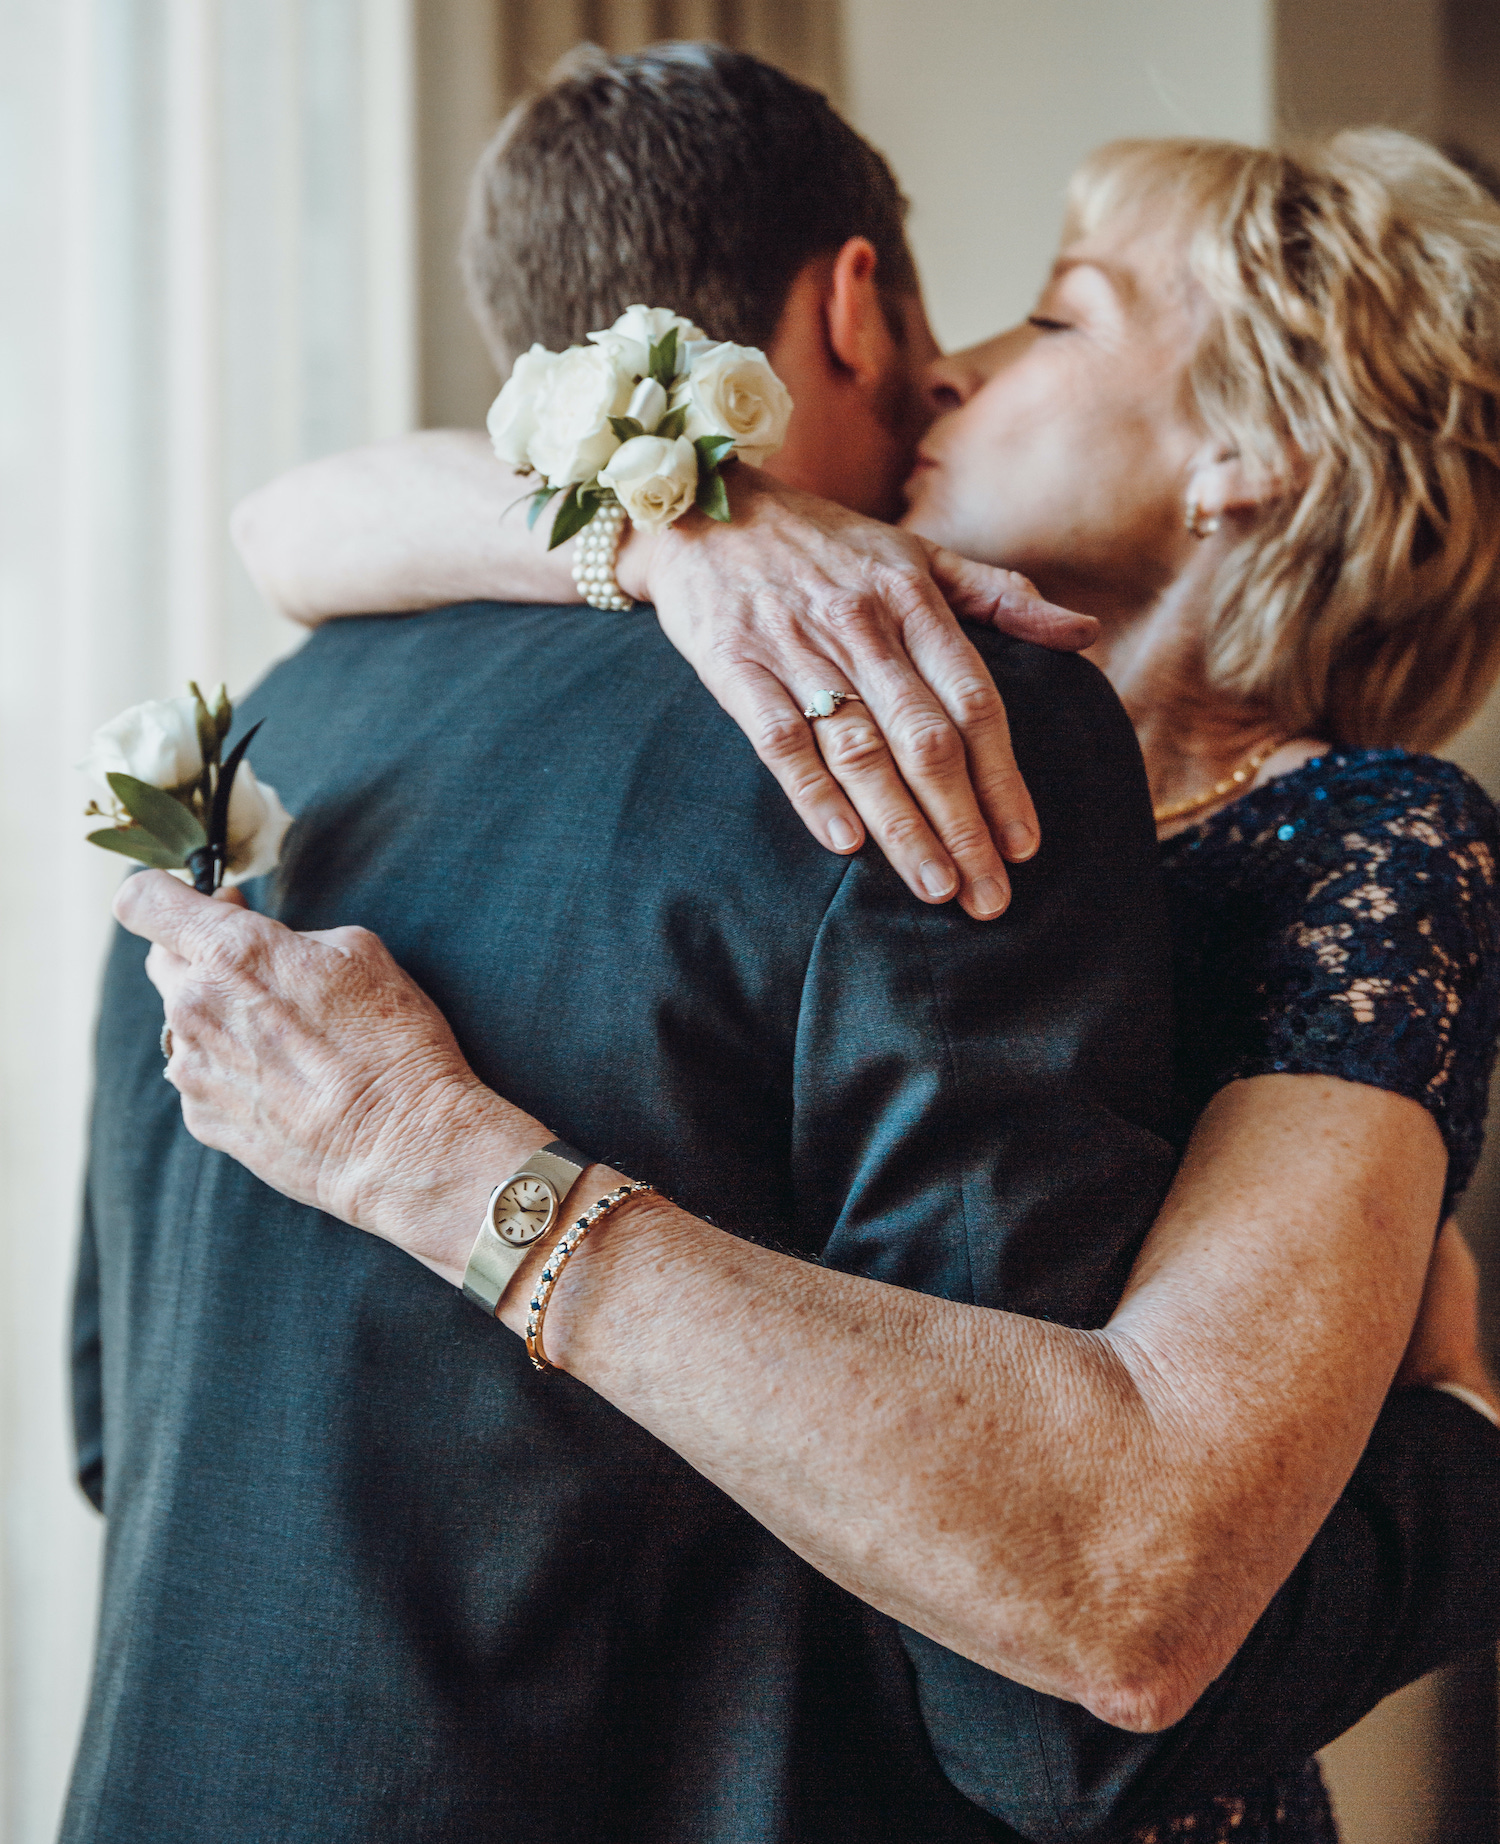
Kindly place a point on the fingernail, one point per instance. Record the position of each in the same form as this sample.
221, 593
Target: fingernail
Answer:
842, 836
987, 897
1020, 841
938, 880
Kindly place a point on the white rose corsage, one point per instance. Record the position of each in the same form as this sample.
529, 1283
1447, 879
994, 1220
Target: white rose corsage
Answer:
638, 423
175, 804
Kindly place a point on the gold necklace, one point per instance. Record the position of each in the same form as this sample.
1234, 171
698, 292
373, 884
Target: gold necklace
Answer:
1232, 783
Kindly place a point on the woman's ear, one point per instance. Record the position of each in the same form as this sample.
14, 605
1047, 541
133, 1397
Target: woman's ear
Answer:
1221, 485
859, 333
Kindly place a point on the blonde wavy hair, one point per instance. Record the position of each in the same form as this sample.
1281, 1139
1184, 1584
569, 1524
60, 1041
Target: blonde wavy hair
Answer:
1352, 358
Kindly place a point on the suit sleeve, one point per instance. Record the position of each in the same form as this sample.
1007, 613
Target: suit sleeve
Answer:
87, 1371
979, 1113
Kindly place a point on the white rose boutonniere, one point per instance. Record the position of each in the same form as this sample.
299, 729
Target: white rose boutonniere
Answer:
639, 422
732, 391
257, 825
176, 803
156, 742
655, 480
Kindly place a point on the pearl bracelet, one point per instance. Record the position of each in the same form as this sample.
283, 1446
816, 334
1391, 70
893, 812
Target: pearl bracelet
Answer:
594, 565
558, 1260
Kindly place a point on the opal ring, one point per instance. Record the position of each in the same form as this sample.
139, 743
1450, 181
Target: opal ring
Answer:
825, 703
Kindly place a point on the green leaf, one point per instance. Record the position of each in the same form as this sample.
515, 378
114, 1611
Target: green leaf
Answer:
712, 498
163, 816
672, 424
626, 427
712, 448
138, 845
223, 712
662, 363
538, 503
577, 509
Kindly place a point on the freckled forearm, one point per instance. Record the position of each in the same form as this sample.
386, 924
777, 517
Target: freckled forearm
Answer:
964, 1471
1100, 1515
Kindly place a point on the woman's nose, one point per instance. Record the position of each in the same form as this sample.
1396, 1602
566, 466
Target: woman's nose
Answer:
950, 384
953, 380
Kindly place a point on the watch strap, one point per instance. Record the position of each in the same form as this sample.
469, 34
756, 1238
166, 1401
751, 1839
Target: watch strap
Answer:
560, 1164
492, 1260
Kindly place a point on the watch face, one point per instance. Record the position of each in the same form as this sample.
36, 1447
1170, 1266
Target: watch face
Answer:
523, 1210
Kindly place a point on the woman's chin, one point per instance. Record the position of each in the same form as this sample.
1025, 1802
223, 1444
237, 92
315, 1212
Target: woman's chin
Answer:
926, 516
924, 511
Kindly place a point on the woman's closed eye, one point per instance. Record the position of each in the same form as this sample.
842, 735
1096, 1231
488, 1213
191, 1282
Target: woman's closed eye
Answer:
1044, 324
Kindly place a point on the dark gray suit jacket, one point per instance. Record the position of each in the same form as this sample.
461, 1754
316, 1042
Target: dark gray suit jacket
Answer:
367, 1575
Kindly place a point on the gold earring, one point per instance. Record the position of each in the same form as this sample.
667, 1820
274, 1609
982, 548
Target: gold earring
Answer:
1201, 525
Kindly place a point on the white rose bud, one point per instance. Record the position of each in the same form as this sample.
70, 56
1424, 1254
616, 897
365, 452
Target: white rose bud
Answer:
512, 418
573, 439
156, 742
257, 826
648, 404
655, 480
640, 328
732, 391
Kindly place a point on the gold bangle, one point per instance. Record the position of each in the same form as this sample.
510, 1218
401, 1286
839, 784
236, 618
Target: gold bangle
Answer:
558, 1260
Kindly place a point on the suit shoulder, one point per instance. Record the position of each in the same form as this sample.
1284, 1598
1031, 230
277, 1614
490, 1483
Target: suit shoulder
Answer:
1042, 672
1071, 735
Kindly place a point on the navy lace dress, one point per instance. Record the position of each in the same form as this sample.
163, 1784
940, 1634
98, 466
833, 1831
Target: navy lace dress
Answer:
1342, 920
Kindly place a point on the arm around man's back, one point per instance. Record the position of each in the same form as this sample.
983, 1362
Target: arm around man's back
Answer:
1399, 1580
976, 1107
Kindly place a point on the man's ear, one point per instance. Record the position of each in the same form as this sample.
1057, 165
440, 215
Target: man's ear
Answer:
859, 333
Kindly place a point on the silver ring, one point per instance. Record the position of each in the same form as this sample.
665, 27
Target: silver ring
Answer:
164, 1042
825, 703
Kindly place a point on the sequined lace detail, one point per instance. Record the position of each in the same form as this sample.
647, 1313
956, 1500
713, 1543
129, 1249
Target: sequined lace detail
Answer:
1292, 1809
1345, 920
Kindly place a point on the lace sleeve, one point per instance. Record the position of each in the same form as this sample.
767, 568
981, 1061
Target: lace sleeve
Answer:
1379, 957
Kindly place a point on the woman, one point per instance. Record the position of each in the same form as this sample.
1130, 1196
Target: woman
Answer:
1253, 429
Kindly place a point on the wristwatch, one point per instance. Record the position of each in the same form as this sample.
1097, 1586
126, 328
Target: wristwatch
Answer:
520, 1212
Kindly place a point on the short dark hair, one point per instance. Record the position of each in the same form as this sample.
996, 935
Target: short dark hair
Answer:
685, 176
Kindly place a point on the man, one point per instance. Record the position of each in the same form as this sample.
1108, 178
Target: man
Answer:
367, 1575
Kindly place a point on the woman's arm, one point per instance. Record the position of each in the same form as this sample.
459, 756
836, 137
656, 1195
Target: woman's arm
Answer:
416, 522
1101, 1515
793, 596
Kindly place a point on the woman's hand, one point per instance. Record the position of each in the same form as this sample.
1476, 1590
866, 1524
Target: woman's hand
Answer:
315, 1061
797, 595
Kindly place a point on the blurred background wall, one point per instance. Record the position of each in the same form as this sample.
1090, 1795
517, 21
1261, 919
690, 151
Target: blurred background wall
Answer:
228, 236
